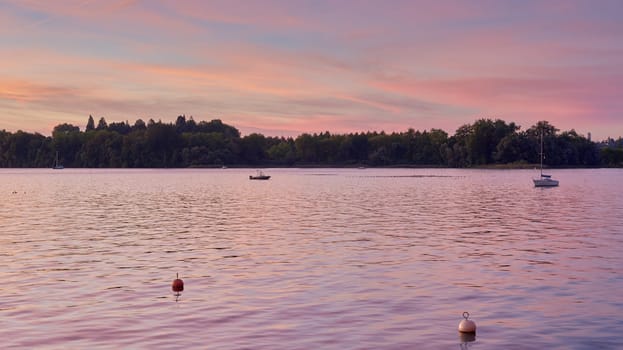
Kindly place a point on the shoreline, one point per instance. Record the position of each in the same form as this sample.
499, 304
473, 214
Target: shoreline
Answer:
512, 166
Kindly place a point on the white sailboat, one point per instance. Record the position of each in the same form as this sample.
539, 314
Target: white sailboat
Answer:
544, 180
57, 165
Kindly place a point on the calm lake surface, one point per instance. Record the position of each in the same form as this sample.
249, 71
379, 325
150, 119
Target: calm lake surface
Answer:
310, 259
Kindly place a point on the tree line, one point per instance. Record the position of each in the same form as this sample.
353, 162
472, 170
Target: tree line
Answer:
187, 143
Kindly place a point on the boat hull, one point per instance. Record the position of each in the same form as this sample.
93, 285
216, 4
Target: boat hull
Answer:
545, 182
261, 177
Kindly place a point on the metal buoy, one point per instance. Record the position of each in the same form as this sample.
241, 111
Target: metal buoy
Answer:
467, 326
178, 284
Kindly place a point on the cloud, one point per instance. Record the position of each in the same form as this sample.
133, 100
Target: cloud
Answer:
292, 65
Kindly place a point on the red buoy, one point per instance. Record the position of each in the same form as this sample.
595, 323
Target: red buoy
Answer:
178, 284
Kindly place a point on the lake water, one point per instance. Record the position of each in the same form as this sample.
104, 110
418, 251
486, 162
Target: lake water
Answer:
310, 259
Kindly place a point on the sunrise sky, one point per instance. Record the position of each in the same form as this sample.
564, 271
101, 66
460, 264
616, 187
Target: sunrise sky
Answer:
286, 67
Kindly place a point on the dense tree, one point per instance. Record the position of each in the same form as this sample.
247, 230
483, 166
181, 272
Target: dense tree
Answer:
515, 148
306, 148
483, 138
282, 152
64, 129
612, 157
455, 150
253, 148
102, 125
90, 124
67, 140
23, 149
187, 143
359, 147
122, 128
139, 125
162, 142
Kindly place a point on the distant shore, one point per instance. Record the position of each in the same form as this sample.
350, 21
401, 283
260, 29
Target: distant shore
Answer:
333, 166
484, 144
509, 166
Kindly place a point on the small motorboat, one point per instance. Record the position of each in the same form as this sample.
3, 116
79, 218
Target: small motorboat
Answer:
259, 176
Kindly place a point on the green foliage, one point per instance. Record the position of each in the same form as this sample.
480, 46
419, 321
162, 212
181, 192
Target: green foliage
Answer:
64, 129
187, 143
102, 125
90, 124
282, 152
612, 157
252, 149
24, 150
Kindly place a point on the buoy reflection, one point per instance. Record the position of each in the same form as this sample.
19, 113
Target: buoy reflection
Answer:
467, 337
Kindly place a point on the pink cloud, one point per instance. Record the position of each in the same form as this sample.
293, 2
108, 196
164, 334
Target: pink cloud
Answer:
560, 100
287, 65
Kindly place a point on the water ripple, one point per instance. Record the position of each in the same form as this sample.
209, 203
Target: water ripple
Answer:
318, 258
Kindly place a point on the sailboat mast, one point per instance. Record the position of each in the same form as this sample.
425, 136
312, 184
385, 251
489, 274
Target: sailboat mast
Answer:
541, 153
542, 132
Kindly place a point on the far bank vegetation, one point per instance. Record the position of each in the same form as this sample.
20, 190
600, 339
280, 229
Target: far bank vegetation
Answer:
187, 143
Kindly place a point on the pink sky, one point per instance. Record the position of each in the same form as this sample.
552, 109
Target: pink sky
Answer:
288, 67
